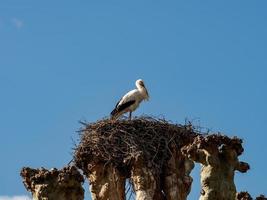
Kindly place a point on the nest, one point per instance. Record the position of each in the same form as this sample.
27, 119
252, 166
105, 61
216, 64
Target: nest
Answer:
243, 196
246, 196
123, 141
261, 197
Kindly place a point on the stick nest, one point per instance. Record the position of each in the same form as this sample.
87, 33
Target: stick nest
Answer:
243, 196
123, 141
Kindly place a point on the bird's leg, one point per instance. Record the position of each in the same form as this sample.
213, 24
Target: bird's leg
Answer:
130, 115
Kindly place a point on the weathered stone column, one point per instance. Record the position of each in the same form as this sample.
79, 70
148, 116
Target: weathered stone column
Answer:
218, 156
177, 180
106, 182
145, 183
64, 184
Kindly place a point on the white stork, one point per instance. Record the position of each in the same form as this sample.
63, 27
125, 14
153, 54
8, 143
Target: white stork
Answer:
130, 101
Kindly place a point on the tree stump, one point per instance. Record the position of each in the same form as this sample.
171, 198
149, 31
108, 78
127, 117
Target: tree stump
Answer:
64, 184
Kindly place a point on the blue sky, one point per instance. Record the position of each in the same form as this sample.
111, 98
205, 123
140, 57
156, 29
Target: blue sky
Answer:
65, 61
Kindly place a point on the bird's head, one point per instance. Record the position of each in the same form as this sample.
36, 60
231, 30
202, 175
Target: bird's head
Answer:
141, 86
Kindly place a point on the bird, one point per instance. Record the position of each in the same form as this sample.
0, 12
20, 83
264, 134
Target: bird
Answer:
130, 101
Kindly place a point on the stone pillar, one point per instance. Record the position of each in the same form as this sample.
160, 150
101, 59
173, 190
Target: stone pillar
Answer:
106, 182
177, 180
218, 156
64, 184
145, 183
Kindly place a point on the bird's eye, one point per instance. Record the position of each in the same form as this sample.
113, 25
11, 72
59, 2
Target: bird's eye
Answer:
142, 84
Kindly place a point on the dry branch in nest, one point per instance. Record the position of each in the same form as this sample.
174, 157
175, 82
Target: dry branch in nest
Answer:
121, 142
246, 196
243, 196
261, 197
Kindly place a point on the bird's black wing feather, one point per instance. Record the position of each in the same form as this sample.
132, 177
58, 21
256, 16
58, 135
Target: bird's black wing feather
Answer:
121, 107
118, 103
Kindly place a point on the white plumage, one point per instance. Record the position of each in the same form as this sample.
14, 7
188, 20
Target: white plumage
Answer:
130, 101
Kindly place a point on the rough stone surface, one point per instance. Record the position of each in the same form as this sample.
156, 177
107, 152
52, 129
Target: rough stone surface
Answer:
177, 180
218, 156
54, 184
106, 182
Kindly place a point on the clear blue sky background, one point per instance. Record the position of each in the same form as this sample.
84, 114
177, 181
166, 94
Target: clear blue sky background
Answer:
64, 61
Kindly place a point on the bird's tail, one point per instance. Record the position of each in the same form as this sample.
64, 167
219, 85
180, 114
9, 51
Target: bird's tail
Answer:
114, 114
